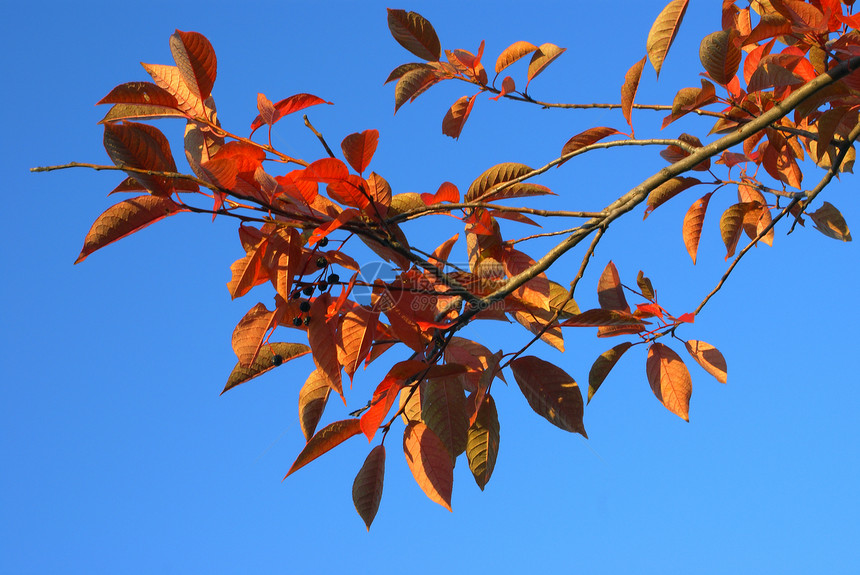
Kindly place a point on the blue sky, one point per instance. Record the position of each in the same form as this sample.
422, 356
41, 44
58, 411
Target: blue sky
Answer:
121, 457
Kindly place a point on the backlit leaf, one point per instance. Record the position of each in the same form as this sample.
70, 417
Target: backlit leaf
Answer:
757, 219
709, 358
693, 222
367, 487
663, 32
629, 88
143, 147
667, 191
670, 381
731, 225
720, 55
412, 84
610, 294
829, 221
139, 111
125, 218
415, 33
264, 362
356, 337
288, 106
248, 271
482, 187
551, 392
543, 57
250, 332
603, 317
313, 398
455, 118
508, 87
358, 149
196, 61
386, 394
145, 93
170, 79
430, 463
321, 336
325, 440
586, 138
482, 447
603, 365
513, 53
399, 71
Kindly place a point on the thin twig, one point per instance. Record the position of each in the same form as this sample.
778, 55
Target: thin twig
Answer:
318, 135
444, 208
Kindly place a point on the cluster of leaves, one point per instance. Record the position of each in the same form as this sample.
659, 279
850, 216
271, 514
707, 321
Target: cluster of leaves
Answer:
297, 227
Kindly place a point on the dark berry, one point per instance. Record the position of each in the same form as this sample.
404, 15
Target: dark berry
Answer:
322, 285
322, 262
309, 290
305, 306
297, 321
307, 320
277, 360
333, 278
296, 294
323, 242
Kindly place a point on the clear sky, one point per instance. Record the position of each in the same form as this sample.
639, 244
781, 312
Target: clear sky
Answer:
119, 455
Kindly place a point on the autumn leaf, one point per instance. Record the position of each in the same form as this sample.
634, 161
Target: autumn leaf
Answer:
355, 337
543, 57
829, 221
143, 147
663, 32
386, 394
513, 53
455, 118
668, 190
325, 440
670, 381
603, 365
645, 286
430, 463
313, 398
480, 189
720, 55
550, 392
248, 271
321, 336
731, 224
693, 222
288, 106
586, 138
709, 358
604, 318
250, 332
358, 149
443, 409
265, 361
170, 79
367, 487
482, 446
125, 218
196, 61
629, 88
144, 94
415, 33
508, 87
610, 294
412, 84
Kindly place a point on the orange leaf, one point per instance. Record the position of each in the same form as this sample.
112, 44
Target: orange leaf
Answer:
321, 336
667, 191
670, 381
508, 87
356, 337
551, 392
196, 61
586, 138
603, 365
143, 147
709, 358
250, 332
248, 271
536, 290
415, 33
447, 192
513, 53
543, 57
358, 149
313, 398
663, 32
629, 88
482, 187
326, 170
386, 394
145, 93
731, 225
693, 222
170, 78
443, 409
455, 118
265, 361
288, 106
604, 317
125, 218
325, 440
610, 294
401, 70
367, 487
482, 447
412, 84
430, 463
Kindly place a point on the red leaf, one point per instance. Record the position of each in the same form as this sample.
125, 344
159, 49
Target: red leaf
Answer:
145, 93
610, 294
508, 87
386, 394
629, 88
455, 118
125, 218
693, 222
248, 271
321, 336
250, 332
356, 337
313, 398
358, 149
325, 440
447, 192
551, 392
196, 61
143, 147
430, 463
288, 106
326, 170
